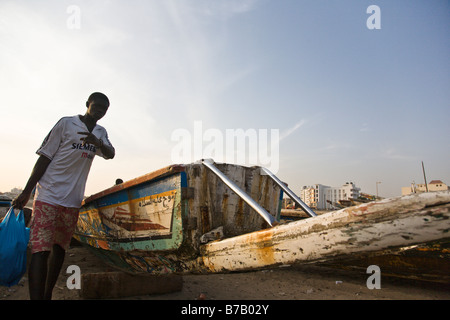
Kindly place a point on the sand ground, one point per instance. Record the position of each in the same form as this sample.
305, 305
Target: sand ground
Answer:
300, 282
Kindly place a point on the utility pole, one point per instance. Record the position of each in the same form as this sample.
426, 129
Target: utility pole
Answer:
378, 182
424, 177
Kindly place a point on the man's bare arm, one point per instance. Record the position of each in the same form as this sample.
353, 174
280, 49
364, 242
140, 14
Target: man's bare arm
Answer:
38, 171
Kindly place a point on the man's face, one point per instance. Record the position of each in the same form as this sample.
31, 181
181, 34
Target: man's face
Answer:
97, 109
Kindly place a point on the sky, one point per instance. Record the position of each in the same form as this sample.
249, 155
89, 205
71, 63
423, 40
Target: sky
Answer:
345, 101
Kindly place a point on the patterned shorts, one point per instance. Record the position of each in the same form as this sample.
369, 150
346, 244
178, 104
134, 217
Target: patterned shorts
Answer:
51, 225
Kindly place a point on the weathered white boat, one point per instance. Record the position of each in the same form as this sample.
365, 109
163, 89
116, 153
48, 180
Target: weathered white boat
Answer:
207, 217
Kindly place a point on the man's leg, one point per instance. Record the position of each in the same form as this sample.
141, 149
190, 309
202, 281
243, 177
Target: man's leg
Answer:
54, 268
41, 235
37, 275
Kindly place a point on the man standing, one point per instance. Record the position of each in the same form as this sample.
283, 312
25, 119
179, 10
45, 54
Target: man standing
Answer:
59, 176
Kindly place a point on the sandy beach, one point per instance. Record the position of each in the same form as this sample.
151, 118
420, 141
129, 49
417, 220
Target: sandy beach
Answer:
299, 282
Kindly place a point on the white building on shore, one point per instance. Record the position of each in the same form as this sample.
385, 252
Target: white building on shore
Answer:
434, 185
321, 197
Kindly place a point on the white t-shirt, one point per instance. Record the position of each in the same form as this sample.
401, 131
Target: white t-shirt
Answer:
64, 181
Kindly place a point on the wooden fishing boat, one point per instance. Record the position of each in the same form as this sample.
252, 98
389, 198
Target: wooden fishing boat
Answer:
209, 217
5, 204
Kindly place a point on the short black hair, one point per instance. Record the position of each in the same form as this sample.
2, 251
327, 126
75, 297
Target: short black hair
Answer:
98, 95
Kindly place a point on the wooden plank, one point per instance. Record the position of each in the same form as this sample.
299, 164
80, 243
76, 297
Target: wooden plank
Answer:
134, 182
107, 285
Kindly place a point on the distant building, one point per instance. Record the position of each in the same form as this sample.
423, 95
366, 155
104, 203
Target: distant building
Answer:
307, 196
322, 197
434, 185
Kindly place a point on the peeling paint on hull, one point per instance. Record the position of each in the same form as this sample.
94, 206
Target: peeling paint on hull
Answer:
375, 228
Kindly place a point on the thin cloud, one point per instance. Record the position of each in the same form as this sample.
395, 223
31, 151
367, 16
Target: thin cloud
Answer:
290, 131
394, 154
227, 9
364, 127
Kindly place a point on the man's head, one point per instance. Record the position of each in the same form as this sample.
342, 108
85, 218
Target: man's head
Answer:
97, 105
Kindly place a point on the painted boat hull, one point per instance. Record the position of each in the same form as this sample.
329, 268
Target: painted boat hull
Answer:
156, 224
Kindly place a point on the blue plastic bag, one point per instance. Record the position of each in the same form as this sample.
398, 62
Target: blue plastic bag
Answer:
14, 236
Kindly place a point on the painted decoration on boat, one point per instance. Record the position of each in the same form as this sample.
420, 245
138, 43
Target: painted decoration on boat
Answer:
138, 214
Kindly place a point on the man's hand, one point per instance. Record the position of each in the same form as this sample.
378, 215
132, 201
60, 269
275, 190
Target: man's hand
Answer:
21, 200
91, 139
107, 150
